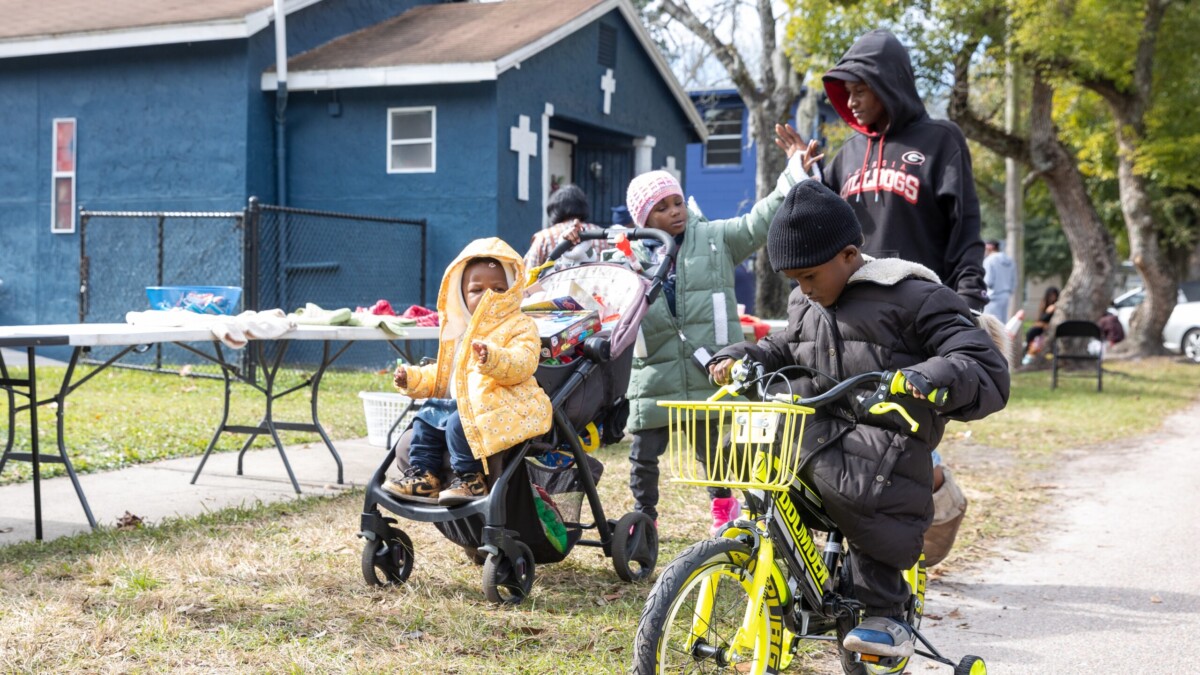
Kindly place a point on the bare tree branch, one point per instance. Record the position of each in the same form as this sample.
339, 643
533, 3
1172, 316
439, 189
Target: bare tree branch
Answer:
975, 127
726, 54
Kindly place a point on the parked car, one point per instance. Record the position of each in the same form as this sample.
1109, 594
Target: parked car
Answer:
1182, 332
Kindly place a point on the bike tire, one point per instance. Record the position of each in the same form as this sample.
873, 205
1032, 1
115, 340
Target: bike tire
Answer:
668, 636
915, 578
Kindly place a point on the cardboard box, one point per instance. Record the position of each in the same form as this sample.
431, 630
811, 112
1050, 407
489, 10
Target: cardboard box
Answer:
560, 331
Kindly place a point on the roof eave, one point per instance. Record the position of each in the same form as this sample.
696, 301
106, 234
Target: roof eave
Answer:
389, 76
144, 36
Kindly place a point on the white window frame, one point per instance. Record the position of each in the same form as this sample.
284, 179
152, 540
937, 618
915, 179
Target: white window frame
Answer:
55, 174
740, 136
432, 140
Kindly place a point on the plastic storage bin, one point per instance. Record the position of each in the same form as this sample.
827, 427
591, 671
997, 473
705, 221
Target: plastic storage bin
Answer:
199, 299
382, 410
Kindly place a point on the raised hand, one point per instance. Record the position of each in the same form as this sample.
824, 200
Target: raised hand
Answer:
811, 156
400, 378
788, 139
481, 351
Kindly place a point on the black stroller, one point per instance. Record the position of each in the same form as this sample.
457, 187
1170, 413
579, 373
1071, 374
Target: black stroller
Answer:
519, 525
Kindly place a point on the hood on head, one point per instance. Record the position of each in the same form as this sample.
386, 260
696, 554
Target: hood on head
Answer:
450, 303
878, 59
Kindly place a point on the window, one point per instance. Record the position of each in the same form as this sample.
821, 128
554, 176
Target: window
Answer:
607, 54
62, 177
412, 140
724, 147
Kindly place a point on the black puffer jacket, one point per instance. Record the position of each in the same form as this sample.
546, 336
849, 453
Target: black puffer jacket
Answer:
873, 474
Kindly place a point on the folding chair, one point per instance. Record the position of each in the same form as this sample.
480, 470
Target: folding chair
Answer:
1078, 336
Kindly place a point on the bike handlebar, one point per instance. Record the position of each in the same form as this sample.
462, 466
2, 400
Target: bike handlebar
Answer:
891, 383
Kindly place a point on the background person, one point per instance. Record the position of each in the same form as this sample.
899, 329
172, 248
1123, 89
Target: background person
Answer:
567, 210
1000, 275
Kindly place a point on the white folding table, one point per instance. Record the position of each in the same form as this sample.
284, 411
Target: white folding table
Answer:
81, 337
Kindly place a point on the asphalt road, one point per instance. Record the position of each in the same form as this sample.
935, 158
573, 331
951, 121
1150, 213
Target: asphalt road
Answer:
1111, 580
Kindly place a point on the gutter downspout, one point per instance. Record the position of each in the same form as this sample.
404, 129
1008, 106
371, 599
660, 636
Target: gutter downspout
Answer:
281, 95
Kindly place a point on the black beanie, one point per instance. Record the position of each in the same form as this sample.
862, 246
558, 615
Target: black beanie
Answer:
811, 227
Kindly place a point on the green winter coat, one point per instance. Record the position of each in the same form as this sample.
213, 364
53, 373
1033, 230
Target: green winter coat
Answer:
663, 369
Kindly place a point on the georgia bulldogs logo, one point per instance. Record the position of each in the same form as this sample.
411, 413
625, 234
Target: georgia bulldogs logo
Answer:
913, 157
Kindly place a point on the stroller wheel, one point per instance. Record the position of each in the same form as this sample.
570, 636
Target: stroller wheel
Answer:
635, 547
508, 581
387, 561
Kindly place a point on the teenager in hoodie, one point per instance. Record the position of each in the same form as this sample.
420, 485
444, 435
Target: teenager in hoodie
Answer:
907, 175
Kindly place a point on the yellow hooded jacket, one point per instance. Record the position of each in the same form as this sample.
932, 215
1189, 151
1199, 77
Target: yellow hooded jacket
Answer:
499, 402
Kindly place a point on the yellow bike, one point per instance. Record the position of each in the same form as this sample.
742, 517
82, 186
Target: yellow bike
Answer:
744, 600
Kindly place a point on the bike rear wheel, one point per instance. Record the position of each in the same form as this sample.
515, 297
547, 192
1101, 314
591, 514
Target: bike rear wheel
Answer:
696, 608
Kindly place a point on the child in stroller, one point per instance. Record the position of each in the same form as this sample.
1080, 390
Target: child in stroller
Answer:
486, 397
533, 513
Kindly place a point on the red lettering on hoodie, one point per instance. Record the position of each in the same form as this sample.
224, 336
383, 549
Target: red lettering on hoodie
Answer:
896, 181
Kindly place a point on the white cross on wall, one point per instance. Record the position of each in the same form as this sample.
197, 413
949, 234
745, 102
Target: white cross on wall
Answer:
523, 142
670, 167
608, 84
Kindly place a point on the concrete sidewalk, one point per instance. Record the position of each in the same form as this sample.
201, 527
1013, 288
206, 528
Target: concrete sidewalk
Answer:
162, 489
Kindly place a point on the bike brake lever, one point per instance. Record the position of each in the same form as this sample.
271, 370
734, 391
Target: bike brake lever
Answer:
891, 406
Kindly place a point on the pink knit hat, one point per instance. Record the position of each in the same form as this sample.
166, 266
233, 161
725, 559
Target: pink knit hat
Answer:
647, 190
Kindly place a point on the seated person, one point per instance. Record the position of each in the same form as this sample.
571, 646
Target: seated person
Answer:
852, 314
482, 397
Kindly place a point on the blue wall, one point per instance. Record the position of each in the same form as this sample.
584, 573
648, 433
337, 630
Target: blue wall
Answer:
180, 127
568, 76
340, 164
728, 191
721, 191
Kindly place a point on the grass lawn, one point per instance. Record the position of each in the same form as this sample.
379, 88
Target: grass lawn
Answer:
278, 588
123, 417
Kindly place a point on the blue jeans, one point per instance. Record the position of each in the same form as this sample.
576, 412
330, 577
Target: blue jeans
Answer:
438, 429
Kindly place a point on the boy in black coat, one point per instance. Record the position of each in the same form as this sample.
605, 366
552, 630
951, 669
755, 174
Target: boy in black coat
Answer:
851, 314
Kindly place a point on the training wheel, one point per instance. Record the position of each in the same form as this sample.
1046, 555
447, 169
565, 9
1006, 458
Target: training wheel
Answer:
970, 665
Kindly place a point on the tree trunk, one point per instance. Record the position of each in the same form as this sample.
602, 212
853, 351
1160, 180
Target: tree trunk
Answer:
1129, 107
1088, 290
770, 289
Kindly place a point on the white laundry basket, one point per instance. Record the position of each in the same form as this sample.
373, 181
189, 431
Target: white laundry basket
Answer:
382, 410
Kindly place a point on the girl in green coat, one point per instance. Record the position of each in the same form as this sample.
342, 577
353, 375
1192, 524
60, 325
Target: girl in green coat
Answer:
699, 315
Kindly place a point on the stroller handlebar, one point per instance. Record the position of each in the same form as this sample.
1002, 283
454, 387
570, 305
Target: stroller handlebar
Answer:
659, 274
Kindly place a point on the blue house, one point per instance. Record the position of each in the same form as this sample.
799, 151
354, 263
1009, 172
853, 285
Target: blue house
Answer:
721, 169
466, 115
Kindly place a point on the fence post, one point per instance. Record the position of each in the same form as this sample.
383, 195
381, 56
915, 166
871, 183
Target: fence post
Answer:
250, 253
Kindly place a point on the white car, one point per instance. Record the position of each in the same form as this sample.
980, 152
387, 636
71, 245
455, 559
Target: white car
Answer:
1182, 332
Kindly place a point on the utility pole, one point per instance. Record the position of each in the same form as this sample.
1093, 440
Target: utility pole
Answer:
1014, 221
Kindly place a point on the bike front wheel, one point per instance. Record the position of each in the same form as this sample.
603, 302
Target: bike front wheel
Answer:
691, 620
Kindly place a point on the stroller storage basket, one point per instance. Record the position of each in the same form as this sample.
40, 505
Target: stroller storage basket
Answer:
756, 445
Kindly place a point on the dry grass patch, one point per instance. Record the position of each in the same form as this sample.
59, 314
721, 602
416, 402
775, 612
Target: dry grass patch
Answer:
278, 588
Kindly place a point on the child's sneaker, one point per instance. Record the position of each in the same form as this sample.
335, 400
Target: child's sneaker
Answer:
466, 487
881, 636
724, 509
416, 485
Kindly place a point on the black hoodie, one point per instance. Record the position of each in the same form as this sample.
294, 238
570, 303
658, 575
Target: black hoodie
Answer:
910, 184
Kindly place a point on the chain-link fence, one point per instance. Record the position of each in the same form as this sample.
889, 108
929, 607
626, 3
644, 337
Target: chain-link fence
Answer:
280, 257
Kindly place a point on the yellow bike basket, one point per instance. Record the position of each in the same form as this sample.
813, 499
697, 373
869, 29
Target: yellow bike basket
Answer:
755, 446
